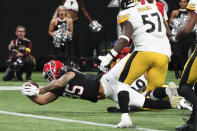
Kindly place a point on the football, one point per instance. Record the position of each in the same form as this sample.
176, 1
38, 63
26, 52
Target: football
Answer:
33, 83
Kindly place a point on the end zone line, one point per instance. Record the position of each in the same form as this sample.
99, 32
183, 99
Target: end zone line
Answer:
69, 120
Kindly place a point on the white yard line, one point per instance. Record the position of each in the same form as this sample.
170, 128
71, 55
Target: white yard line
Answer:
11, 88
69, 120
8, 88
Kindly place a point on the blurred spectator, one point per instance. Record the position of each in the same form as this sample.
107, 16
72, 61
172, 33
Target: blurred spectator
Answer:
61, 29
180, 49
73, 6
20, 58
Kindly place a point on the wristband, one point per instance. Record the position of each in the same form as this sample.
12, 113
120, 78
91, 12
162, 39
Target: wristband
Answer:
124, 37
113, 53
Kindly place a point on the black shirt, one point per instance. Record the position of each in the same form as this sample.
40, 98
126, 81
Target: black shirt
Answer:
58, 24
83, 86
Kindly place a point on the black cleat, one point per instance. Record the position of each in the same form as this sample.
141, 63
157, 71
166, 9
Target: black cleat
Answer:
114, 109
186, 127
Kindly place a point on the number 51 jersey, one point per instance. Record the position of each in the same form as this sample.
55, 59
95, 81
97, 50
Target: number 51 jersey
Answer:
149, 30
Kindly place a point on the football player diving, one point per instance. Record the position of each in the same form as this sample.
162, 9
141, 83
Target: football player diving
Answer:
65, 81
189, 76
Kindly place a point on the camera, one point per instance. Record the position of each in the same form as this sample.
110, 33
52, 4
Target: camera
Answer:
22, 42
15, 61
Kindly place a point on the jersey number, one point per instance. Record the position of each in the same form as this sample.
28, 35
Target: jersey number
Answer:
152, 29
76, 91
141, 85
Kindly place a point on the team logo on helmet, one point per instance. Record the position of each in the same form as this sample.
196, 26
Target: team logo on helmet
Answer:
124, 4
51, 70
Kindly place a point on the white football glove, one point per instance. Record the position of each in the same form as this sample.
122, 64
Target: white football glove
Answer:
103, 69
106, 60
125, 121
95, 26
29, 89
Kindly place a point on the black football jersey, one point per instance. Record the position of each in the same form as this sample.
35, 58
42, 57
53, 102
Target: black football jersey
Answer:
83, 86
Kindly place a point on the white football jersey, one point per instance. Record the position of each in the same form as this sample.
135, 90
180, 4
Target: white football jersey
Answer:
140, 84
149, 30
192, 5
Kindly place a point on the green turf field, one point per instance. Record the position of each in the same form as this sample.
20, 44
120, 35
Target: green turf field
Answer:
75, 109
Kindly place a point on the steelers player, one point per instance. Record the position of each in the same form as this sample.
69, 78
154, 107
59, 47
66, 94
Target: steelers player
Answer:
144, 23
189, 76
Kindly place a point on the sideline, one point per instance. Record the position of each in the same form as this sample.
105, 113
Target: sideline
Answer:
69, 120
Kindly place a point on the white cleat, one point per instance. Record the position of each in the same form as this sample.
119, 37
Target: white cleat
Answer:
125, 121
183, 104
172, 93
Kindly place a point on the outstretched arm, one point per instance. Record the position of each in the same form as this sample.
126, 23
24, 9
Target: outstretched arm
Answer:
43, 99
62, 81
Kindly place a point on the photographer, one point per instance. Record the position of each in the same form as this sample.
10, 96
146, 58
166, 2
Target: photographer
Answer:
20, 59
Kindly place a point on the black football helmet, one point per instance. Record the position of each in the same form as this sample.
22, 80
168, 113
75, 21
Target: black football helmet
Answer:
125, 4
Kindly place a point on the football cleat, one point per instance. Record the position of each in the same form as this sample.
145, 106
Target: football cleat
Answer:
183, 104
116, 109
172, 93
125, 121
113, 109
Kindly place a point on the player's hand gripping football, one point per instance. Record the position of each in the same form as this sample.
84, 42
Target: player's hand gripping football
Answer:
30, 89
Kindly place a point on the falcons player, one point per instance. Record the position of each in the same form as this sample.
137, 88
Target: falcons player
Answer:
67, 82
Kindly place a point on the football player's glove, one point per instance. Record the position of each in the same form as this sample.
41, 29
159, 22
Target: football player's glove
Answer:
125, 121
29, 89
103, 69
183, 104
106, 60
95, 26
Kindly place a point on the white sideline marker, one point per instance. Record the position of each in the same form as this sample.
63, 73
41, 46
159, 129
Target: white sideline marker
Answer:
11, 88
69, 120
